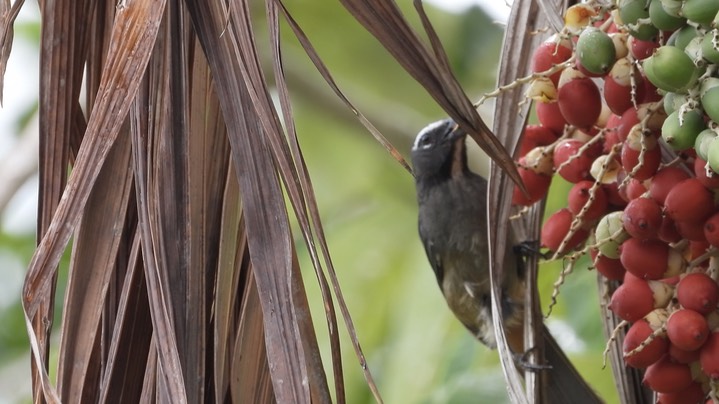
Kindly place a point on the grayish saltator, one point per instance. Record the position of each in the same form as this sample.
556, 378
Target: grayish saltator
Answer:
453, 228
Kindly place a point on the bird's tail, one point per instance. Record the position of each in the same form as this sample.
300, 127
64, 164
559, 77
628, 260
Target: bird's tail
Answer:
563, 383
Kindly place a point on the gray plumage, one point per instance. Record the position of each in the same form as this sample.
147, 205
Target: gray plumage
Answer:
453, 229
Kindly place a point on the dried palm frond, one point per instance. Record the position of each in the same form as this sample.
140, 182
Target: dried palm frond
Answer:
182, 257
184, 283
562, 383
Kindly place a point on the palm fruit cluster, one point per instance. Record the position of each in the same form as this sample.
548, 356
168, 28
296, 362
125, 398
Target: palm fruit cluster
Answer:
627, 99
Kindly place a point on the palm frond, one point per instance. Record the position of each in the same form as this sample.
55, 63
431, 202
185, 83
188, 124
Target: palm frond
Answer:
184, 283
385, 21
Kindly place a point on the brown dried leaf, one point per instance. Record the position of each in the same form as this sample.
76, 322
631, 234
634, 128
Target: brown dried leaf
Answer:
563, 381
322, 69
249, 369
94, 255
384, 20
306, 201
232, 247
136, 25
122, 380
8, 14
149, 384
256, 137
507, 128
146, 125
59, 87
189, 152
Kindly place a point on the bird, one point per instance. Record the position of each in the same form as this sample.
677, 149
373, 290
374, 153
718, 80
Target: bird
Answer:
452, 224
453, 228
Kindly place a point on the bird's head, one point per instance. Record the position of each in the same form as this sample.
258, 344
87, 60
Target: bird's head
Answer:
439, 152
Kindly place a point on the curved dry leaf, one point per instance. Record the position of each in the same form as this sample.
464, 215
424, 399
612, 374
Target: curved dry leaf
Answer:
322, 69
122, 380
562, 380
232, 251
169, 366
189, 153
308, 194
249, 370
507, 128
537, 335
149, 380
137, 25
95, 250
384, 20
306, 200
8, 14
59, 87
255, 133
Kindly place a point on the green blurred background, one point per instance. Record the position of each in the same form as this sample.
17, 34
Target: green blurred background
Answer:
417, 351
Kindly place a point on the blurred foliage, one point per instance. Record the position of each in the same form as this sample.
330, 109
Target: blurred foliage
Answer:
416, 350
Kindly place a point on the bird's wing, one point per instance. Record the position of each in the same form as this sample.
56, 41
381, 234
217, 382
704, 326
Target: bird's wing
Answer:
434, 257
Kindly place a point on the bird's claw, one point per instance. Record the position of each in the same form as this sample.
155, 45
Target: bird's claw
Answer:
530, 248
523, 361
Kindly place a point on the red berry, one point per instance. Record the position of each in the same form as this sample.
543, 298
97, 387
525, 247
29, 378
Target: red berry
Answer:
537, 186
613, 196
641, 49
649, 166
699, 292
632, 300
574, 165
626, 123
693, 231
634, 189
665, 376
611, 268
638, 333
689, 201
697, 248
642, 218
700, 172
555, 229
618, 87
535, 135
687, 329
549, 54
709, 356
668, 232
579, 101
646, 259
692, 394
650, 91
664, 180
550, 116
579, 198
711, 230
611, 137
682, 356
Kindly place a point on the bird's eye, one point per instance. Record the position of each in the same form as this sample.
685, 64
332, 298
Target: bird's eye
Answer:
425, 142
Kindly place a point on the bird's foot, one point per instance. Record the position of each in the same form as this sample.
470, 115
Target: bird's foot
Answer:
530, 248
522, 360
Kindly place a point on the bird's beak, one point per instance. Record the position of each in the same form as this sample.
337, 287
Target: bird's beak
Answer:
457, 136
457, 133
